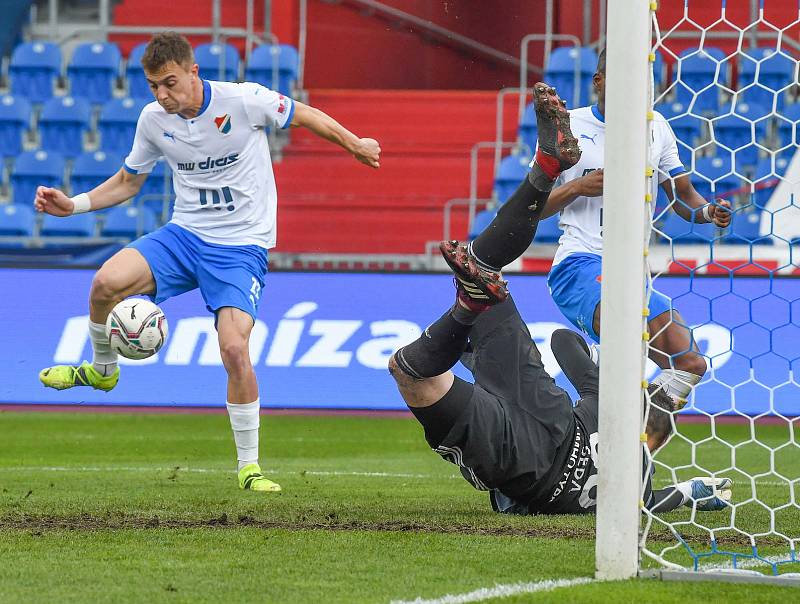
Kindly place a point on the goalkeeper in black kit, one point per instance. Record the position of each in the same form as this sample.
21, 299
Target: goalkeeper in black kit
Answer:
514, 432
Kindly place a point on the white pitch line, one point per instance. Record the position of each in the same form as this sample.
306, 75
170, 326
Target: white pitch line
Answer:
217, 471
500, 591
746, 563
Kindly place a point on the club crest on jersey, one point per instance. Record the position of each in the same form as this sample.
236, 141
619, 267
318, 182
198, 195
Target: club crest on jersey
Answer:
223, 123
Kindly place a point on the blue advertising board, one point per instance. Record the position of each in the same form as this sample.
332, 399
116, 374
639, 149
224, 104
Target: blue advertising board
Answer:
323, 339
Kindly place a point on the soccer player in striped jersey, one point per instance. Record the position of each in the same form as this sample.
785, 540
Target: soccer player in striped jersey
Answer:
212, 135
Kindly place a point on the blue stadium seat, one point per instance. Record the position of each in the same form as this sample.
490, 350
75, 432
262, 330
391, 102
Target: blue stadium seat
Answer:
91, 169
157, 183
697, 74
134, 74
687, 129
745, 228
211, 58
681, 231
659, 71
717, 171
548, 231
79, 225
17, 220
15, 119
788, 126
509, 175
560, 73
63, 123
528, 128
482, 220
775, 74
92, 71
34, 69
128, 221
734, 131
267, 58
117, 124
766, 179
34, 168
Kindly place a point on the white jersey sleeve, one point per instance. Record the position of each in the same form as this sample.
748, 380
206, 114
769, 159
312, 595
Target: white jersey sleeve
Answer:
669, 163
144, 153
266, 108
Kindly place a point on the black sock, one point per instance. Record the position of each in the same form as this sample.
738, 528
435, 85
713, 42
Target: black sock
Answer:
512, 230
436, 350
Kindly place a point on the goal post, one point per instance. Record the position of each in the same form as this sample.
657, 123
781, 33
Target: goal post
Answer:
626, 226
733, 104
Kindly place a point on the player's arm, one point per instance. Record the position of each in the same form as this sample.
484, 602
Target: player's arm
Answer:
590, 185
120, 187
365, 150
692, 206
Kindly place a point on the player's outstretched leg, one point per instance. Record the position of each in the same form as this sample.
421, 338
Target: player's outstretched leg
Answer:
62, 377
513, 229
475, 285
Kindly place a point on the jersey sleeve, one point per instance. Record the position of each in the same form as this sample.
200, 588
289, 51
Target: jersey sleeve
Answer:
669, 163
144, 154
266, 108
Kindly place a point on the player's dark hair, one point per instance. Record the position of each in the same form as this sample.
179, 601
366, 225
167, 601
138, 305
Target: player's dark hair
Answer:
165, 47
659, 422
601, 62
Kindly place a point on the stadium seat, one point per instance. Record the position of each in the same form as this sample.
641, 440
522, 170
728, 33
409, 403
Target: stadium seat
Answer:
775, 76
735, 132
697, 79
117, 124
17, 220
79, 225
680, 231
62, 125
134, 74
787, 126
745, 228
218, 62
528, 129
560, 74
266, 59
766, 179
156, 187
91, 169
93, 70
659, 71
34, 168
548, 231
34, 69
688, 129
509, 175
482, 220
715, 171
128, 221
15, 119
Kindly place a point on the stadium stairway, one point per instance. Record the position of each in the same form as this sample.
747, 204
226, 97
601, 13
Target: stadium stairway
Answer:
330, 203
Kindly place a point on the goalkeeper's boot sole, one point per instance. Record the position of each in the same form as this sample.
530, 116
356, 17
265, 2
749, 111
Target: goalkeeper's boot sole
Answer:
475, 285
251, 479
712, 494
62, 377
552, 122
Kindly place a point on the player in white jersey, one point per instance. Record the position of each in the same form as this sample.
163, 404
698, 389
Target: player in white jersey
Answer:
574, 279
212, 134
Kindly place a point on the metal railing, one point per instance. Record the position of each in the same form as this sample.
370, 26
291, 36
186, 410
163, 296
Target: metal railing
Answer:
523, 57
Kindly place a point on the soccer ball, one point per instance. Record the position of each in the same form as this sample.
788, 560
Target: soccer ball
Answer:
136, 328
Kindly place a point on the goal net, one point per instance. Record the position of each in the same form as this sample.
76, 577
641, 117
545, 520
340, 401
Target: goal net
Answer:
726, 78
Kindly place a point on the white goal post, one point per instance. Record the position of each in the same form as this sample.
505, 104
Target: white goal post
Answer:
626, 227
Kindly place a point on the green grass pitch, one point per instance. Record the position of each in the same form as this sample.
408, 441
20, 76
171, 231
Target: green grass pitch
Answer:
145, 507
